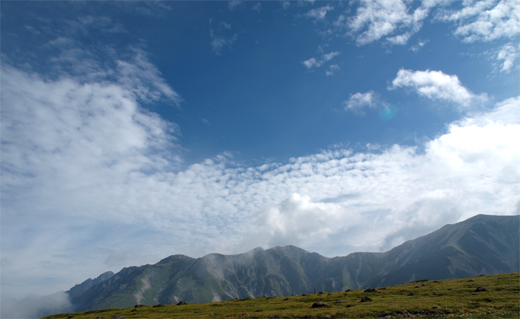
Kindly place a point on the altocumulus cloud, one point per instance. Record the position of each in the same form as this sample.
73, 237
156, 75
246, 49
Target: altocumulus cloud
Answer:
85, 163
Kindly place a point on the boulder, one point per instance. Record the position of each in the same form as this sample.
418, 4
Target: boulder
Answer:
365, 298
318, 305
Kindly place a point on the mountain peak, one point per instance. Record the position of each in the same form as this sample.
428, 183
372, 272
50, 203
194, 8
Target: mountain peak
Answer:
482, 244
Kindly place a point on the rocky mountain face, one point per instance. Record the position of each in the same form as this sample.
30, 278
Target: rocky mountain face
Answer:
79, 289
480, 245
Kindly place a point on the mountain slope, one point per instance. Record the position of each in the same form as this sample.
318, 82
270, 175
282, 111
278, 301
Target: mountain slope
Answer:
479, 245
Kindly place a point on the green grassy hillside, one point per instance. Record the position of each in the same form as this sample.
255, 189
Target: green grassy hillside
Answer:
424, 298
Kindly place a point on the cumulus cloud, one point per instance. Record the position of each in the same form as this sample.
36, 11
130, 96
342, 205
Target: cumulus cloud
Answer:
485, 20
357, 102
376, 19
436, 85
364, 198
397, 21
507, 56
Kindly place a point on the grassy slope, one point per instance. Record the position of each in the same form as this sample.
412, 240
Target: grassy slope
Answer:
453, 297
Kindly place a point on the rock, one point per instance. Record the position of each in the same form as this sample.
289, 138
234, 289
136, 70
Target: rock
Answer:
318, 305
349, 305
181, 303
339, 301
320, 293
370, 290
211, 314
411, 293
365, 298
348, 290
480, 289
244, 314
471, 280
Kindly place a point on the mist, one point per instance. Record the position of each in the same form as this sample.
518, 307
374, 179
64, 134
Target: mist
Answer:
36, 306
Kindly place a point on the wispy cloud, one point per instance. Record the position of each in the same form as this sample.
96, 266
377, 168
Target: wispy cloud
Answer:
318, 62
319, 13
332, 70
417, 47
220, 41
437, 85
257, 7
233, 4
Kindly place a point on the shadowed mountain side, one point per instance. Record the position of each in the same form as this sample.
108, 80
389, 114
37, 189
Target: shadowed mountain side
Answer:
479, 245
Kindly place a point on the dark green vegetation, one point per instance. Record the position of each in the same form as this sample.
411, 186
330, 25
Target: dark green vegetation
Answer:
479, 245
426, 298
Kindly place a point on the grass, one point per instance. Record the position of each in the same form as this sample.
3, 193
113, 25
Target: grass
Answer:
449, 298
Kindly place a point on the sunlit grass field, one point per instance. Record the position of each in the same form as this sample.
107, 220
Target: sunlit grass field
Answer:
424, 298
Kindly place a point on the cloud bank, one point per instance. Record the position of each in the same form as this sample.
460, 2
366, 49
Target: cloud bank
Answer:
34, 307
86, 162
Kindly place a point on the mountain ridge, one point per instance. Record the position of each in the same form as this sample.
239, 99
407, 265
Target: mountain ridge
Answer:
482, 244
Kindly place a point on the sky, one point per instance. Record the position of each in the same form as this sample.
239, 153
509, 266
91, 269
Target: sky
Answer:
132, 131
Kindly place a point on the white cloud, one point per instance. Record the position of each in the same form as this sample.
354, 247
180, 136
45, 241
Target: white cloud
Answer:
332, 70
359, 101
219, 42
316, 63
376, 19
436, 85
257, 7
485, 20
319, 14
234, 3
397, 20
36, 306
144, 79
507, 56
83, 162
418, 46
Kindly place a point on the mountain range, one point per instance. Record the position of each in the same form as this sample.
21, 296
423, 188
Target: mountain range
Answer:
480, 245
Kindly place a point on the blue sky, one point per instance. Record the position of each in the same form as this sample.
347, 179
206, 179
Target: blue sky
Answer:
132, 131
